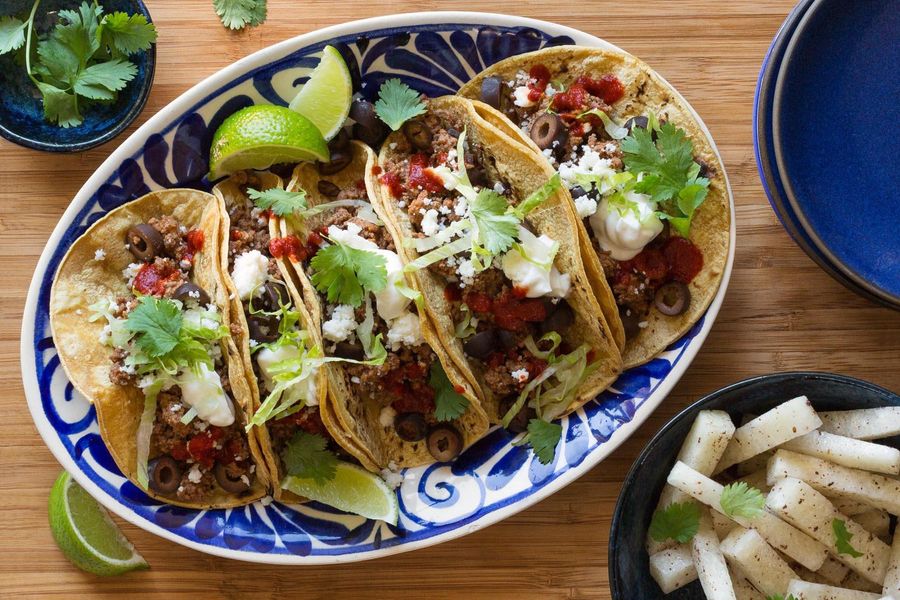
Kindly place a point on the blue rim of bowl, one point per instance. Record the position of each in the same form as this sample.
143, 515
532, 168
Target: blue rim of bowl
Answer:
689, 412
769, 175
884, 297
130, 115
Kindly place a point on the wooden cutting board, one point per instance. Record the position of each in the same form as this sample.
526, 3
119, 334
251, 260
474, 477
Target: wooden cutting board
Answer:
781, 313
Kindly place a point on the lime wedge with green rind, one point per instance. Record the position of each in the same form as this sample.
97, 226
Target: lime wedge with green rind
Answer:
86, 534
258, 137
353, 490
325, 98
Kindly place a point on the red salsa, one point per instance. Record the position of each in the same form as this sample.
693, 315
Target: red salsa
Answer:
152, 280
392, 181
420, 176
287, 246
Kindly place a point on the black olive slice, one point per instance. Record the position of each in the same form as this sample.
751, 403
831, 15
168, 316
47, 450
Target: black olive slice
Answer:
640, 122
547, 129
271, 297
164, 474
482, 344
262, 328
340, 141
492, 91
559, 318
444, 442
328, 189
411, 426
507, 339
229, 484
339, 160
418, 133
673, 298
630, 322
144, 241
348, 350
189, 291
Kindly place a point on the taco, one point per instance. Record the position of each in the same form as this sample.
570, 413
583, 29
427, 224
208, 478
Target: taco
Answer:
278, 343
492, 246
139, 314
391, 388
645, 184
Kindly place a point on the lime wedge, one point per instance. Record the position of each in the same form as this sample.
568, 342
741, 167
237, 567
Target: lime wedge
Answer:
258, 137
325, 98
353, 489
86, 534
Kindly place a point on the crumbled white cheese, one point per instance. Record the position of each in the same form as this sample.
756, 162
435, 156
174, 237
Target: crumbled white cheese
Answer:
194, 475
644, 324
246, 480
499, 188
341, 324
462, 205
585, 205
550, 91
392, 145
589, 163
392, 478
405, 331
249, 273
430, 222
130, 272
521, 97
466, 271
355, 380
520, 375
386, 416
266, 500
99, 254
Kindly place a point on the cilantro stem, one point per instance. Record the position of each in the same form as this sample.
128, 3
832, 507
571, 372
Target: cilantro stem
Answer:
28, 41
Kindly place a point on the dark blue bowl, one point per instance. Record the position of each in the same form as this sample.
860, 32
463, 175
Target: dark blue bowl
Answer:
22, 114
764, 149
835, 116
629, 574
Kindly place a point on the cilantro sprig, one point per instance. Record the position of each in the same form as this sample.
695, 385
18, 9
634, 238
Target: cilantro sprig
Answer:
307, 455
842, 539
780, 597
280, 202
344, 274
449, 404
741, 500
668, 172
497, 229
237, 14
398, 103
679, 521
543, 438
84, 58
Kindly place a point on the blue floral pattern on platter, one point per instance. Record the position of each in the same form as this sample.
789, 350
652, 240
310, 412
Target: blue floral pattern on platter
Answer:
434, 500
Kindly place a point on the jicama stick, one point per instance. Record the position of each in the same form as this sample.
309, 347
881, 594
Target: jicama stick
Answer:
855, 581
810, 511
743, 590
673, 568
876, 490
709, 561
758, 561
875, 521
722, 524
796, 544
864, 423
847, 506
756, 479
833, 570
769, 430
892, 577
846, 451
702, 448
802, 590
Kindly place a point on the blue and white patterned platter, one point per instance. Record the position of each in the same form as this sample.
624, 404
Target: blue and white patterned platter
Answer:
435, 53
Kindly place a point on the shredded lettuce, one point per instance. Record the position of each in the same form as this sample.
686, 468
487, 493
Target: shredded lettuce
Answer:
615, 131
373, 347
554, 338
465, 328
408, 292
536, 198
451, 249
145, 432
441, 237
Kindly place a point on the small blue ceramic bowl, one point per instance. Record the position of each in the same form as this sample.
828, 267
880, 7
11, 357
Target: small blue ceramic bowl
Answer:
629, 574
21, 111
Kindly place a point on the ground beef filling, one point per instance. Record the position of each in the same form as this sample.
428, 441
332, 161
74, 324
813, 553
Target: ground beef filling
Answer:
249, 224
198, 447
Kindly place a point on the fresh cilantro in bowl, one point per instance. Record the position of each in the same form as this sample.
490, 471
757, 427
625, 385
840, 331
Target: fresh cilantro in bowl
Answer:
85, 58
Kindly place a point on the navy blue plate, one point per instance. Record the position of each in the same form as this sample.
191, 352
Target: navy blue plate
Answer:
835, 126
764, 150
21, 111
629, 575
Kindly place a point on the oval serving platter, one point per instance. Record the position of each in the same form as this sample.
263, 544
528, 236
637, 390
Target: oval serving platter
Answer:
435, 53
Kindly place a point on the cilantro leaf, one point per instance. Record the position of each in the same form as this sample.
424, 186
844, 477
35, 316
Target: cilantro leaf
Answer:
780, 597
497, 229
679, 522
157, 324
343, 273
129, 34
59, 106
100, 81
842, 539
449, 404
12, 34
544, 437
279, 201
237, 14
79, 33
741, 500
398, 103
307, 455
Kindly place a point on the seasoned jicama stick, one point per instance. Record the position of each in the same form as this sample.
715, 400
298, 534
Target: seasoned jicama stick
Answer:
864, 423
855, 581
742, 588
722, 524
876, 490
758, 561
892, 578
833, 570
756, 479
769, 430
848, 506
875, 521
848, 452
702, 448
673, 568
709, 561
810, 511
802, 590
794, 543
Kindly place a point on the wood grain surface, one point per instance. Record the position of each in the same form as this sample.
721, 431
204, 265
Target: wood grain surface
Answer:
781, 313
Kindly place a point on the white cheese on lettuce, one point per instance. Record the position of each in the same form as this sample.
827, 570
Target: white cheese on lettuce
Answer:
249, 274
